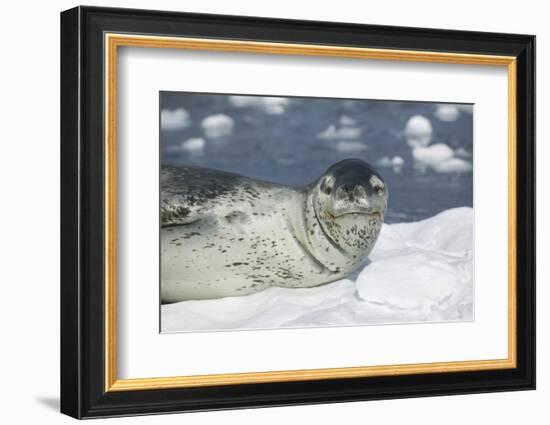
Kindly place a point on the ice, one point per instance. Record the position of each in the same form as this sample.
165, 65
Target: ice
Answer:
396, 163
432, 155
344, 132
347, 121
350, 146
454, 165
385, 161
429, 284
271, 308
463, 153
275, 105
447, 113
417, 272
195, 145
440, 158
217, 126
269, 105
418, 131
423, 267
176, 119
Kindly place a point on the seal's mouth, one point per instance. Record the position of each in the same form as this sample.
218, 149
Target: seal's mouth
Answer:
358, 211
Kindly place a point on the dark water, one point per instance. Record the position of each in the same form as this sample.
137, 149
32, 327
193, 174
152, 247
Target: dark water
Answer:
285, 148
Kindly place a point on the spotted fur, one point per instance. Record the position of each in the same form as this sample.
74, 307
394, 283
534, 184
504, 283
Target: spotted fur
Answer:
223, 234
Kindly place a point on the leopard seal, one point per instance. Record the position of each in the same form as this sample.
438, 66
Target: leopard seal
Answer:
224, 234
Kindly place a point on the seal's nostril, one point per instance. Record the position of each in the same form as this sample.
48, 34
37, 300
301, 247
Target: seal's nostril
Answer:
341, 194
359, 192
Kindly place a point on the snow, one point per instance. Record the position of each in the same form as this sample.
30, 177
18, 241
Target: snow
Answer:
423, 268
176, 119
217, 126
417, 272
269, 105
447, 113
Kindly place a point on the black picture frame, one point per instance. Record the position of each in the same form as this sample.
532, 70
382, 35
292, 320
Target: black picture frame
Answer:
83, 392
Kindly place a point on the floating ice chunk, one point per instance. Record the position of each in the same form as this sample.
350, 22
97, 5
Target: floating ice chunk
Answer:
440, 158
194, 145
397, 160
269, 105
418, 131
347, 121
397, 164
244, 101
463, 153
447, 113
176, 119
333, 133
350, 146
453, 165
275, 105
385, 161
217, 126
430, 156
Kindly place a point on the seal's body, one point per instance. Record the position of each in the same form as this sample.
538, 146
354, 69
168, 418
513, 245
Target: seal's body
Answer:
223, 234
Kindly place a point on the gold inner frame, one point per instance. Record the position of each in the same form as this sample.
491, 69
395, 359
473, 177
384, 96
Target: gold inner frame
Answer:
113, 41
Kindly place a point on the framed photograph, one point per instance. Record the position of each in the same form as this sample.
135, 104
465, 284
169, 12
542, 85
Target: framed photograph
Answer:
261, 212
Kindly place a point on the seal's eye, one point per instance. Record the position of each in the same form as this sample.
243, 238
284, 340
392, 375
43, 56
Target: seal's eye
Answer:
327, 184
377, 185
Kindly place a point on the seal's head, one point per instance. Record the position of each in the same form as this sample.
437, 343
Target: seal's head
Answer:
350, 201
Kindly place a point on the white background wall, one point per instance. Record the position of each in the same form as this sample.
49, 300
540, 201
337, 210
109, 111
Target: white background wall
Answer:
29, 224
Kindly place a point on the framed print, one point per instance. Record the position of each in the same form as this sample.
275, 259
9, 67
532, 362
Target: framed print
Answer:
261, 212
